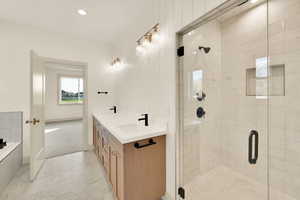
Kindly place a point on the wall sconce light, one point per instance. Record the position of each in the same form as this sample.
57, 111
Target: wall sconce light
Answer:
116, 61
150, 36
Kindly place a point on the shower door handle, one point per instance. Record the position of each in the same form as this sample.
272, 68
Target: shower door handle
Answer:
253, 156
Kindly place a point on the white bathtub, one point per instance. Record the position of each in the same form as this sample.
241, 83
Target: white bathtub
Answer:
10, 163
11, 146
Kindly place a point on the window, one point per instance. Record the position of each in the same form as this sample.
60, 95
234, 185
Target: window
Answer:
196, 84
70, 90
261, 78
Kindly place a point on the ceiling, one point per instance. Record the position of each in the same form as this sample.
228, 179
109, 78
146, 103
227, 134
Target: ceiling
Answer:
107, 20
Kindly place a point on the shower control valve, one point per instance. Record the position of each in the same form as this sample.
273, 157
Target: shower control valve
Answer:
200, 112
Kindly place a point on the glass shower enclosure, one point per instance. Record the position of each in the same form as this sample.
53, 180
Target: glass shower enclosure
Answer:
239, 103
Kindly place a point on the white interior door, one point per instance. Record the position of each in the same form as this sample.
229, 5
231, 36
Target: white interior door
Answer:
37, 123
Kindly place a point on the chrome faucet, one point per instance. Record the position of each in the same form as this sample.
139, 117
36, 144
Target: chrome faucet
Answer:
114, 108
145, 118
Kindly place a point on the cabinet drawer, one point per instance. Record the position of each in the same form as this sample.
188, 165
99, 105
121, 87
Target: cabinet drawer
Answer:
106, 159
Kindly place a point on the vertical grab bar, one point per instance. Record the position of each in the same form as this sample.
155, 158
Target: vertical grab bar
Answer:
253, 160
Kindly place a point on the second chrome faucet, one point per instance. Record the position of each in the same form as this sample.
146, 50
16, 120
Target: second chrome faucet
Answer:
145, 118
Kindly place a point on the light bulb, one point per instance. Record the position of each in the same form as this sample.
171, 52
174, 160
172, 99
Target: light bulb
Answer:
156, 36
254, 1
82, 12
146, 43
139, 48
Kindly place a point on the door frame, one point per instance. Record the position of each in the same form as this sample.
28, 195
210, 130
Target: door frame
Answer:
207, 17
84, 67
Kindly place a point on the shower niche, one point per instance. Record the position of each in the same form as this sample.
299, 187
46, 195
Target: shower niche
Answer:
257, 81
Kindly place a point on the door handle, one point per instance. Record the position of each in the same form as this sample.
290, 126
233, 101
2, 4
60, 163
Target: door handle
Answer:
253, 137
34, 121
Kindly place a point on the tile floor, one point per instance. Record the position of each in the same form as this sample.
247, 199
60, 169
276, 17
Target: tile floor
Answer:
63, 137
76, 176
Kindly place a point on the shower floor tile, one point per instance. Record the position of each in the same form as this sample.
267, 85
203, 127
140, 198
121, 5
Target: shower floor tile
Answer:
226, 184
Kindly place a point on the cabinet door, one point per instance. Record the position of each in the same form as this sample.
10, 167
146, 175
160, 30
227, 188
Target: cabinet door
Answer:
119, 169
105, 157
113, 171
116, 174
100, 148
94, 132
96, 145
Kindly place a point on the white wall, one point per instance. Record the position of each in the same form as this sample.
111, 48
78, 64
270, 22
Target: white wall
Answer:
53, 110
17, 41
148, 83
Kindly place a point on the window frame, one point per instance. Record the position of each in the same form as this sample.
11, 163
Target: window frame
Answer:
59, 77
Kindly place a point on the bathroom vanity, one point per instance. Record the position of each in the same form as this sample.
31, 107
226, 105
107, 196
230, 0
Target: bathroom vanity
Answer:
133, 157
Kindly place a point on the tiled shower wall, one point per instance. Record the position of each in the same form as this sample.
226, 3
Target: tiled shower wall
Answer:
11, 126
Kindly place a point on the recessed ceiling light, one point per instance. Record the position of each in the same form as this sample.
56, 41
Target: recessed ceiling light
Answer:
254, 1
82, 12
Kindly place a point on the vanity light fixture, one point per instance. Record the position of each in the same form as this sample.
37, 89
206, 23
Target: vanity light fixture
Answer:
146, 40
82, 12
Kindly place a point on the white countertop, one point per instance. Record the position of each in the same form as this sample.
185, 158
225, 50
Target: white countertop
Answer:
127, 131
7, 150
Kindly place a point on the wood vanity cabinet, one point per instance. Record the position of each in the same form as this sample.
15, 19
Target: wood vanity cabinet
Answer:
137, 170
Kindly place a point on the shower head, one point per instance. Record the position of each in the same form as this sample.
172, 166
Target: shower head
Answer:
206, 49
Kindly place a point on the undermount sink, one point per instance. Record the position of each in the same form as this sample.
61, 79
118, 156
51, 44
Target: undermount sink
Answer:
139, 128
133, 128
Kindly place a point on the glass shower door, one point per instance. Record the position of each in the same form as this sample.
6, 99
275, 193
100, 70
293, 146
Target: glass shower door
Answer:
223, 139
284, 45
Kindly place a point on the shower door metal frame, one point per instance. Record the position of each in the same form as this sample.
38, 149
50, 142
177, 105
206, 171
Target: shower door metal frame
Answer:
204, 19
